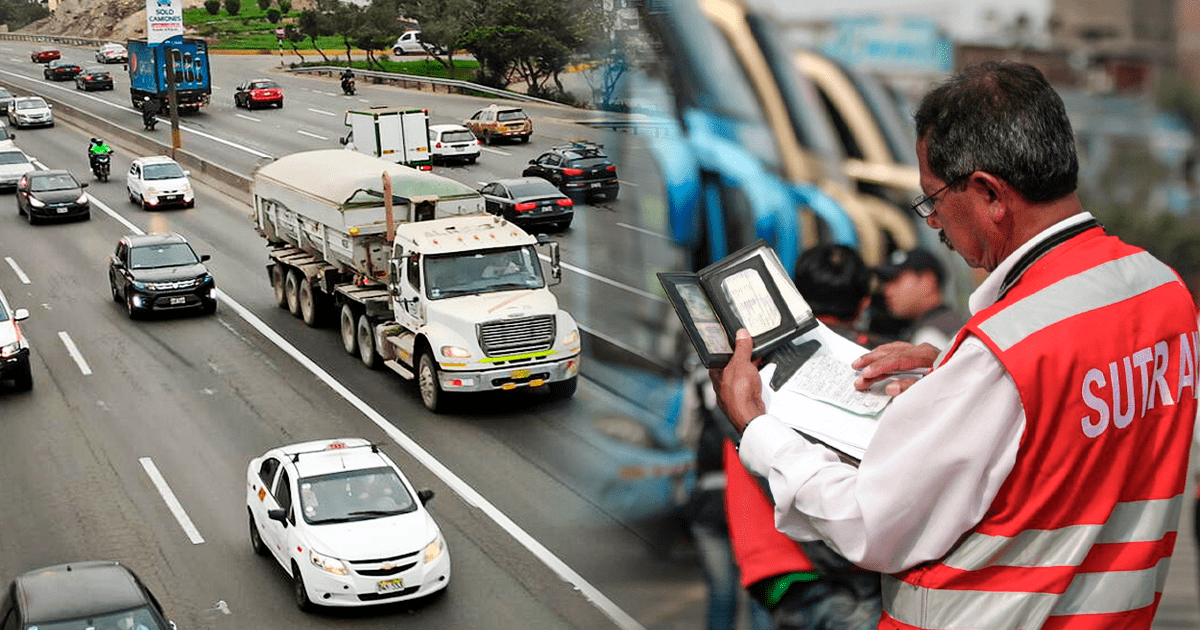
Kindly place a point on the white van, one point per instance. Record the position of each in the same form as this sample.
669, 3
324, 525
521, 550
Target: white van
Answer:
410, 42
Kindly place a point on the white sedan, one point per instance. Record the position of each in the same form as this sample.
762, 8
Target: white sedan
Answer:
345, 524
159, 182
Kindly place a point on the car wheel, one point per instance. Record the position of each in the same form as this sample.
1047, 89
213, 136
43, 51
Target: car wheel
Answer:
129, 308
563, 226
208, 307
23, 379
299, 591
366, 343
279, 104
349, 334
291, 289
428, 383
20, 208
32, 219
256, 541
278, 280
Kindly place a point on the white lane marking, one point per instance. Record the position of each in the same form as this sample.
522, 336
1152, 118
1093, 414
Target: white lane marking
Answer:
310, 134
173, 504
251, 118
643, 231
598, 278
74, 352
496, 151
625, 183
322, 112
17, 270
460, 487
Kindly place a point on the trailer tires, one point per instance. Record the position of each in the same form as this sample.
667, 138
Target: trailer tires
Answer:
312, 306
366, 344
428, 383
278, 279
349, 334
291, 289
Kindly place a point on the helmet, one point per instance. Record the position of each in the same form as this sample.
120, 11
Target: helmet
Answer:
97, 141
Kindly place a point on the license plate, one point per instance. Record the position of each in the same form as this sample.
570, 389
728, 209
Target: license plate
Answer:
389, 586
595, 184
178, 300
61, 210
520, 374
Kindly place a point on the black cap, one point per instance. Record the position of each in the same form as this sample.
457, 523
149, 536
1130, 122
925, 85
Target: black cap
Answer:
910, 260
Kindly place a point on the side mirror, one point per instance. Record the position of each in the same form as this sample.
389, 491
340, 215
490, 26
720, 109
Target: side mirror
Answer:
555, 261
21, 314
343, 141
186, 173
50, 105
278, 514
205, 257
425, 495
83, 184
533, 161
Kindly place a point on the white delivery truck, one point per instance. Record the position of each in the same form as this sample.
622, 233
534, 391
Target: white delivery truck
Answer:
392, 133
420, 280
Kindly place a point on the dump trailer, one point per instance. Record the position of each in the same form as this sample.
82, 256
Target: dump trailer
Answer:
415, 275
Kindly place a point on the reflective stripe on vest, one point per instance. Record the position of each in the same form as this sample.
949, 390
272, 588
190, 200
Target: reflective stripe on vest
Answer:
1120, 279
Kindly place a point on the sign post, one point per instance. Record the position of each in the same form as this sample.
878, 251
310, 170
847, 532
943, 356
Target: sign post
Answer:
164, 27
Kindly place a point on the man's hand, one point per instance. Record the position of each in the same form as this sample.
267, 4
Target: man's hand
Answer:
888, 360
738, 386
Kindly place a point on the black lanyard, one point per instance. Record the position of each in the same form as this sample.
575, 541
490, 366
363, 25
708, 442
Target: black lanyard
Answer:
1041, 249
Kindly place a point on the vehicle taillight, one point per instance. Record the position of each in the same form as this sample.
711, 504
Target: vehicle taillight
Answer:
425, 167
572, 171
611, 168
566, 203
524, 207
438, 145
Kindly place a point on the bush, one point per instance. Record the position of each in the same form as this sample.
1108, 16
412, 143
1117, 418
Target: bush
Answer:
272, 14
212, 6
233, 7
285, 6
263, 4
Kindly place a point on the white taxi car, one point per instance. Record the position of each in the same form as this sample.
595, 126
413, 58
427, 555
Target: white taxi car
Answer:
345, 524
14, 348
159, 182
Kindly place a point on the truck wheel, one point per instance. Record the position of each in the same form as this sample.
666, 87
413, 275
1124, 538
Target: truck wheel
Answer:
349, 334
23, 379
428, 384
366, 343
312, 307
291, 289
278, 279
562, 390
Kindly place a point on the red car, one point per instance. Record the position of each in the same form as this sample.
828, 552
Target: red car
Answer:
258, 93
44, 55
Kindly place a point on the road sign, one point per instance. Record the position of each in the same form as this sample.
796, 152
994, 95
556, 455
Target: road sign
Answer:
164, 20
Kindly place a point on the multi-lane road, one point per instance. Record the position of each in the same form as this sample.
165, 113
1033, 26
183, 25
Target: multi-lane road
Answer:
544, 504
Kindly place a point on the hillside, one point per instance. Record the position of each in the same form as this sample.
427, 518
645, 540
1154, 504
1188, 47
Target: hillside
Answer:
108, 19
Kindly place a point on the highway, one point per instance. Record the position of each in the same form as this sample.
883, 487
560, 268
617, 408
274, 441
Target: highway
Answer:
552, 510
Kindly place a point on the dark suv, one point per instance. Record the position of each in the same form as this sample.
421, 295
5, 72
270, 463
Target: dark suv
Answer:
154, 273
93, 594
579, 169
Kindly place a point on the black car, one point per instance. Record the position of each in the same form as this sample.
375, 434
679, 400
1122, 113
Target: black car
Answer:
94, 79
580, 169
92, 594
61, 70
530, 202
153, 273
52, 195
6, 99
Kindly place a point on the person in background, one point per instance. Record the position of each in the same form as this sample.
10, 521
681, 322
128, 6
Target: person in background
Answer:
836, 283
912, 284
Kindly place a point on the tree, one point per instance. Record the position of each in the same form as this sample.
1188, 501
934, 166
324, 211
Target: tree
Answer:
212, 6
445, 25
19, 14
293, 37
233, 7
285, 6
263, 4
273, 15
314, 24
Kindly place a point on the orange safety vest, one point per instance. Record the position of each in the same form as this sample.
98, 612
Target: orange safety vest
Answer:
1100, 339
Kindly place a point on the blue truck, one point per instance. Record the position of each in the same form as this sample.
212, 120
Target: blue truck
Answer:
148, 73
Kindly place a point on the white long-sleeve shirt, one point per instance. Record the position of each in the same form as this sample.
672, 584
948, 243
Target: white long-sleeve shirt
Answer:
941, 452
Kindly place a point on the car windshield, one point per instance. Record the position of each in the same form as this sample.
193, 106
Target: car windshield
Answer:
33, 103
512, 114
483, 272
461, 135
162, 171
61, 181
3, 313
4, 135
5, 93
133, 619
532, 188
166, 255
12, 157
354, 495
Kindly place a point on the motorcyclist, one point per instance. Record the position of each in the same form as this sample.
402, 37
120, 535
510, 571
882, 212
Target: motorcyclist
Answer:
149, 110
347, 79
98, 147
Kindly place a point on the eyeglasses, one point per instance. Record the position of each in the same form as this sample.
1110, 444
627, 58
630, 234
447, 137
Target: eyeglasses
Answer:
923, 205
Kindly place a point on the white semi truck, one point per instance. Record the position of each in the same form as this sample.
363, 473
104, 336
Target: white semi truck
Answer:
420, 280
393, 133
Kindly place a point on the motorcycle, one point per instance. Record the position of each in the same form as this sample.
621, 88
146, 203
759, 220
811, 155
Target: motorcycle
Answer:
149, 114
100, 163
348, 87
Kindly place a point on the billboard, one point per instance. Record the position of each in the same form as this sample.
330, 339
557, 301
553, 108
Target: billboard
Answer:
164, 20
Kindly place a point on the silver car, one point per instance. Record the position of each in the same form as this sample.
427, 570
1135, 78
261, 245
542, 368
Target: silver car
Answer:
13, 164
30, 111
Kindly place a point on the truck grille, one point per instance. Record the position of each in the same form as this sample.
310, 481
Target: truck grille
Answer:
516, 336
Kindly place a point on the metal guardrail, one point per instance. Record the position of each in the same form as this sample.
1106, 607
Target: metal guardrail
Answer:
407, 80
54, 39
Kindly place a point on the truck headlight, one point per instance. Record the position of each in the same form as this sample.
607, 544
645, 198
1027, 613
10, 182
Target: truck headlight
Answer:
454, 352
433, 550
327, 563
13, 348
572, 338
